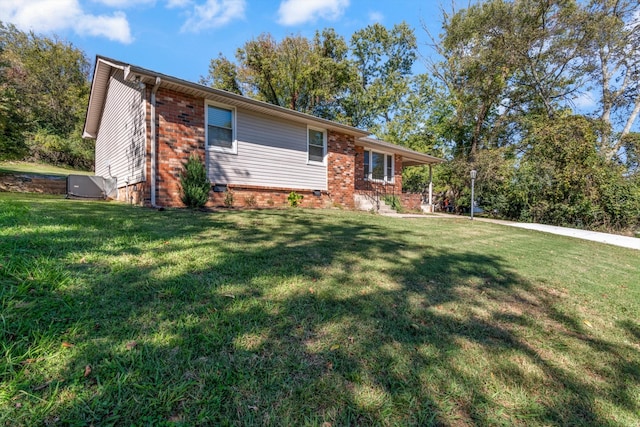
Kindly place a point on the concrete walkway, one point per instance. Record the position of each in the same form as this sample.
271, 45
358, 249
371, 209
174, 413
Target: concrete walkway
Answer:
596, 236
611, 239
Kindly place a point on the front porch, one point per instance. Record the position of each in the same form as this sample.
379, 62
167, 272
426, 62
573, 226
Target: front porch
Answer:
378, 176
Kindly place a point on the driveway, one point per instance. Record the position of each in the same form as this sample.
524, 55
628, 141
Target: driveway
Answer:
611, 239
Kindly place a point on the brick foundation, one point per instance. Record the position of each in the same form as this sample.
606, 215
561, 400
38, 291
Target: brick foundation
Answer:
267, 197
134, 194
411, 201
27, 183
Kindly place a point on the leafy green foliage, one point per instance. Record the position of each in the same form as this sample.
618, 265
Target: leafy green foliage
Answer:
393, 202
194, 183
45, 146
297, 73
294, 199
12, 123
509, 75
229, 198
44, 90
572, 184
614, 58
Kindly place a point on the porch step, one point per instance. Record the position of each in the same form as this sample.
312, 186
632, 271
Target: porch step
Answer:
365, 203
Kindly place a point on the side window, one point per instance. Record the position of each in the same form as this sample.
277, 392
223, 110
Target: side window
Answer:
221, 128
317, 143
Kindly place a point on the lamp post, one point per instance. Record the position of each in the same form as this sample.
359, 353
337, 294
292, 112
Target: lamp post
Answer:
474, 173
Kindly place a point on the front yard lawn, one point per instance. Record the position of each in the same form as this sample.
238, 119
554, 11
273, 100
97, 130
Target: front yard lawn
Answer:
119, 315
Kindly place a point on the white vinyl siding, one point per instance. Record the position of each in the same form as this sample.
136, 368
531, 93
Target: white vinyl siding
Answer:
120, 143
271, 152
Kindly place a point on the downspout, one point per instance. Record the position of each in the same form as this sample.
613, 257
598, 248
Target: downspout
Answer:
154, 142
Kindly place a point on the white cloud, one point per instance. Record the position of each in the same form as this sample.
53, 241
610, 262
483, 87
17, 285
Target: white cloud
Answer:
43, 16
376, 17
114, 27
585, 101
294, 12
171, 4
124, 3
214, 13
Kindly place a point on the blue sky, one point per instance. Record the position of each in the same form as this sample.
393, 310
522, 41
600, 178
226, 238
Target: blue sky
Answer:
179, 37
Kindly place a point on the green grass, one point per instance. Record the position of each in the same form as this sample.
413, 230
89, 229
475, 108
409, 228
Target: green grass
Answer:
118, 315
39, 169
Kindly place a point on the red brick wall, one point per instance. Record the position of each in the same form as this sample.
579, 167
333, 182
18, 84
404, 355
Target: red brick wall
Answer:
180, 132
136, 194
341, 168
359, 167
412, 201
267, 197
397, 173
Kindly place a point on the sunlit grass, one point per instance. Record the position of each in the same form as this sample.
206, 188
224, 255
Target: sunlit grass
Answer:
39, 169
113, 314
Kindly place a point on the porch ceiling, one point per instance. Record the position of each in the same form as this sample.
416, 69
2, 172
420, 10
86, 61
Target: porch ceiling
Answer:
409, 157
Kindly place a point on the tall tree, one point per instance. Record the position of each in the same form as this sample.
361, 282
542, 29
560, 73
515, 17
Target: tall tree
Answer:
383, 60
365, 84
223, 74
44, 85
506, 58
50, 76
474, 70
295, 73
615, 57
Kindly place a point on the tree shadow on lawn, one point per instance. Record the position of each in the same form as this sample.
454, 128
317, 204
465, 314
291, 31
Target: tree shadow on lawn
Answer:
297, 317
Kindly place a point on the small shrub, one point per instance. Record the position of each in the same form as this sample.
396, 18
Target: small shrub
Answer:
270, 202
194, 183
393, 202
229, 198
294, 199
250, 201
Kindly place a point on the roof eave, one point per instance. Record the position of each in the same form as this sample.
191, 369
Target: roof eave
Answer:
409, 157
133, 72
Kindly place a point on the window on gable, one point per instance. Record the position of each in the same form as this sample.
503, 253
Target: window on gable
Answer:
220, 128
317, 141
378, 166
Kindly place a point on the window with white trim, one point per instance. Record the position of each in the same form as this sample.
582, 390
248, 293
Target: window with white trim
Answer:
221, 128
378, 166
317, 145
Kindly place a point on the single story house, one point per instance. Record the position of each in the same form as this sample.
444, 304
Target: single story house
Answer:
146, 124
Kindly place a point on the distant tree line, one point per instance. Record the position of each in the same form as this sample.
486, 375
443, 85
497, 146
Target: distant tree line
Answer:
44, 88
510, 73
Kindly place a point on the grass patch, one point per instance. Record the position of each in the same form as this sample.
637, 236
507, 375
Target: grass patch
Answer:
39, 169
113, 314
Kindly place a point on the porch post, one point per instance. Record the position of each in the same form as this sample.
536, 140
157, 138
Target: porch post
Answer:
430, 189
